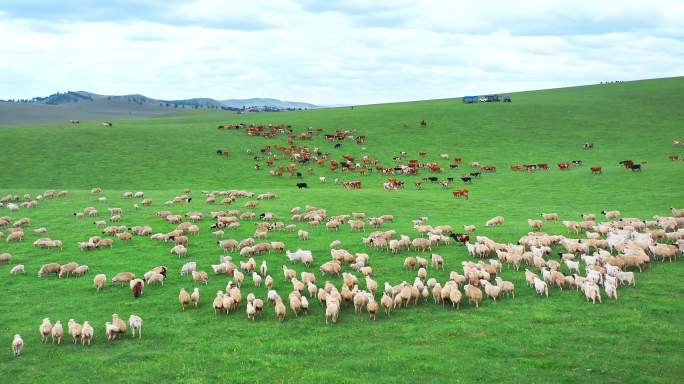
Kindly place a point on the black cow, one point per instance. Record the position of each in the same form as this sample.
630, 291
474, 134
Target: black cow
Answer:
635, 167
302, 185
475, 174
338, 145
450, 179
467, 179
577, 163
433, 179
299, 174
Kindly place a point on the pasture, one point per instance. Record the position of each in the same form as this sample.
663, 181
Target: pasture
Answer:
529, 338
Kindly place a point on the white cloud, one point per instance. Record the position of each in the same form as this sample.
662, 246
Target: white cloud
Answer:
349, 52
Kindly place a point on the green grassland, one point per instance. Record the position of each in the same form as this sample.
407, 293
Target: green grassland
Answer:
561, 339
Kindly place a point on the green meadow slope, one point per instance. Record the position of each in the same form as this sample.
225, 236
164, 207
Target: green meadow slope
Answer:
561, 339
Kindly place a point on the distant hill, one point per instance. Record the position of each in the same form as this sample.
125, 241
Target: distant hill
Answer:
81, 105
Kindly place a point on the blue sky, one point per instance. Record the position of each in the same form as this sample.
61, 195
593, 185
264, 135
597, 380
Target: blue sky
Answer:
325, 52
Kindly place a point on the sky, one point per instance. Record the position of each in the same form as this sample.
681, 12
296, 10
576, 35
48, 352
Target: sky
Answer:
332, 52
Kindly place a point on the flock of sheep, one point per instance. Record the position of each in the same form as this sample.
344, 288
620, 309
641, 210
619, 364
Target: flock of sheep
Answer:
605, 256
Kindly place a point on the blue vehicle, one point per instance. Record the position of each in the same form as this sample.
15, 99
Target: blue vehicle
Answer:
470, 99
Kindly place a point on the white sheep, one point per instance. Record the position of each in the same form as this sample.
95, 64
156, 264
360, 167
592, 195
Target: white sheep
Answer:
188, 268
19, 268
87, 333
136, 324
99, 281
540, 286
497, 220
17, 345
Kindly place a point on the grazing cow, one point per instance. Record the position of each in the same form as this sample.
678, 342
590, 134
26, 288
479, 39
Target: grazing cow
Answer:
419, 185
423, 123
543, 166
338, 145
463, 192
673, 157
596, 170
302, 185
588, 145
475, 174
516, 167
563, 166
467, 179
107, 124
577, 163
626, 163
635, 167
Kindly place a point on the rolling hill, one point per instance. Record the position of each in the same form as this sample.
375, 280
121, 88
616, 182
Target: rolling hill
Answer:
529, 338
87, 106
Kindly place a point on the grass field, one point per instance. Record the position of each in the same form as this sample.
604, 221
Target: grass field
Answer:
561, 339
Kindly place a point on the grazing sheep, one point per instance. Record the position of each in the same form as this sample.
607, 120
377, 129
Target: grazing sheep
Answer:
57, 332
74, 330
99, 281
188, 268
626, 278
17, 345
540, 286
80, 271
66, 269
303, 235
19, 268
535, 224
507, 287
200, 277
280, 309
332, 309
137, 286
48, 269
179, 250
437, 261
474, 294
136, 324
184, 298
497, 220
87, 333
611, 214
591, 292
154, 278
123, 277
5, 258
256, 278
111, 331
549, 216
222, 302
45, 329
611, 289
492, 291
455, 297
